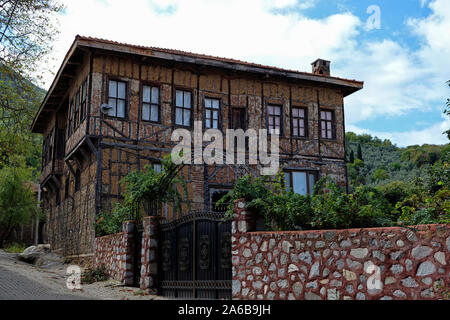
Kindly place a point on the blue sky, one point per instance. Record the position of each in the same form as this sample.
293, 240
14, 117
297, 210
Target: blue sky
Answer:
404, 63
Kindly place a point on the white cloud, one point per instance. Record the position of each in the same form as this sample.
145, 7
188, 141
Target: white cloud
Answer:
247, 30
431, 135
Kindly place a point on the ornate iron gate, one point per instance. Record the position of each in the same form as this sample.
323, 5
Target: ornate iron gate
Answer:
195, 257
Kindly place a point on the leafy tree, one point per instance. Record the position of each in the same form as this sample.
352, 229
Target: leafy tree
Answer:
355, 172
359, 156
27, 31
380, 174
17, 204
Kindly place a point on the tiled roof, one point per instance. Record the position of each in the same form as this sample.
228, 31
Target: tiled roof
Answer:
204, 56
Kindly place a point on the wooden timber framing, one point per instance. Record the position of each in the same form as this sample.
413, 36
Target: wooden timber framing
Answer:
101, 150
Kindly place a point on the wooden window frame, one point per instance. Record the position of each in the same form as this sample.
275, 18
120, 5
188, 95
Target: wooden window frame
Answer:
332, 121
126, 100
71, 112
308, 172
245, 112
76, 116
219, 116
305, 120
77, 180
159, 105
175, 107
67, 188
268, 116
83, 102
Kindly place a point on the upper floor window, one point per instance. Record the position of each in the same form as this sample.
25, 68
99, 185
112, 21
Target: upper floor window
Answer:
212, 108
327, 124
150, 103
299, 122
48, 148
301, 182
76, 117
77, 180
274, 119
117, 98
83, 101
70, 126
238, 118
183, 106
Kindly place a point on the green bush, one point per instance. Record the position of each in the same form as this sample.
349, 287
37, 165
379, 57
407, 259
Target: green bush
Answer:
15, 248
111, 222
144, 191
94, 275
328, 208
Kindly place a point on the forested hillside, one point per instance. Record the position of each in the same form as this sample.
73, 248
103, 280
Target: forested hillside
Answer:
379, 162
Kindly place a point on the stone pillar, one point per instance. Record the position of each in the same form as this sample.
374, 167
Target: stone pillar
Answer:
239, 226
128, 252
149, 255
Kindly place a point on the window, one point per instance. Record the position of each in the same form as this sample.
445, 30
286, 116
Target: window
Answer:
117, 98
274, 119
327, 124
48, 148
216, 195
83, 100
66, 189
77, 180
150, 103
183, 106
301, 182
76, 117
157, 167
238, 119
58, 197
70, 127
212, 109
299, 122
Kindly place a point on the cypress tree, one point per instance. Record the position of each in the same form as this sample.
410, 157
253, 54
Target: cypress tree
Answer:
352, 157
360, 152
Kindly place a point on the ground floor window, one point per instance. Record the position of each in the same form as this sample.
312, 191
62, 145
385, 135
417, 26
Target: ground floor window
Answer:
216, 195
301, 182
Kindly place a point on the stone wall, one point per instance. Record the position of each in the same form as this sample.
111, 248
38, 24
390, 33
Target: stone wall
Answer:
355, 264
115, 252
149, 255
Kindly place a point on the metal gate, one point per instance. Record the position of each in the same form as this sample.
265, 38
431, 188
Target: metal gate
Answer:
195, 259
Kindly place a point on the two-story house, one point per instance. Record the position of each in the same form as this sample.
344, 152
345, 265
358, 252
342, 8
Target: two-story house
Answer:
112, 107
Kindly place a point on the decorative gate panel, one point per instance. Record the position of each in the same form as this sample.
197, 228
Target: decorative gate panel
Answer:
195, 261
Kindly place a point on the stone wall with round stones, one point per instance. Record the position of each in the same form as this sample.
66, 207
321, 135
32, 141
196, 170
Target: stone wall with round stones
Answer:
354, 264
115, 253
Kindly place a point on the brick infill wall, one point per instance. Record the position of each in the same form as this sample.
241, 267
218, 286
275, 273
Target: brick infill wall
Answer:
115, 253
354, 264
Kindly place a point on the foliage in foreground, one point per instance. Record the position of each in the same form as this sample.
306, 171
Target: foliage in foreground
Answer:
330, 207
15, 248
17, 204
145, 191
91, 275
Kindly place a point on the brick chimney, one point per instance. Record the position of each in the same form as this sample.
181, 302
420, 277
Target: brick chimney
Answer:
321, 67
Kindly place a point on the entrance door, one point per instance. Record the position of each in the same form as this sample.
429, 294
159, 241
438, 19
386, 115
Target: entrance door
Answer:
195, 260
